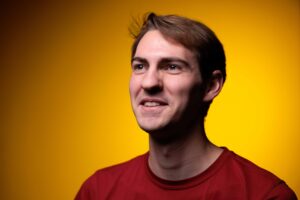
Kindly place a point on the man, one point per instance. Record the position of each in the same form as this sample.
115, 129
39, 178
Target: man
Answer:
178, 68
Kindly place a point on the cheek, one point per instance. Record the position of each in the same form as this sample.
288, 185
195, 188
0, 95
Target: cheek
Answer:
179, 86
182, 90
133, 86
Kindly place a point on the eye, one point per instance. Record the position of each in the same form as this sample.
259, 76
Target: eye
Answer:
138, 67
173, 68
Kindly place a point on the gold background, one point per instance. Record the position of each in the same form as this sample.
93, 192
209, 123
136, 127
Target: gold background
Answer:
65, 109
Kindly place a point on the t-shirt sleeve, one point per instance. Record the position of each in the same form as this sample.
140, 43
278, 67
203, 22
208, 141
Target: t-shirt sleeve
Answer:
82, 194
281, 192
87, 191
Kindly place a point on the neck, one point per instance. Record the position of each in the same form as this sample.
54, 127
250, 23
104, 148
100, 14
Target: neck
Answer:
182, 158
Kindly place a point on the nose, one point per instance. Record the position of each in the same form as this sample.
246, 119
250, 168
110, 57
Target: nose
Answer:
152, 81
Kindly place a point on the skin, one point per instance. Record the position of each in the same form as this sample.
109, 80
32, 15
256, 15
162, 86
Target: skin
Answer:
167, 95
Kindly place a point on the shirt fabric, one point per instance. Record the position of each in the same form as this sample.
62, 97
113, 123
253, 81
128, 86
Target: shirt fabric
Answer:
229, 177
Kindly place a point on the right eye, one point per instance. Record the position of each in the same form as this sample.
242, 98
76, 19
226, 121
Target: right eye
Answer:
138, 68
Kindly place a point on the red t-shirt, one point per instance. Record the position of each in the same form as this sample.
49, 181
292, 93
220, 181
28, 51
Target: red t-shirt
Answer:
230, 177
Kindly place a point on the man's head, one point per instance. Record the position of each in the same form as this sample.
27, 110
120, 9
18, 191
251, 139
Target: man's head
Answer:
178, 68
192, 34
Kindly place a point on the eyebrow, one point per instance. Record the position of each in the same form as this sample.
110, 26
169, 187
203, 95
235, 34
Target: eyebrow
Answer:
162, 60
139, 59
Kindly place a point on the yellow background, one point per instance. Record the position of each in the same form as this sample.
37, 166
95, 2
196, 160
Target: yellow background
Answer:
65, 109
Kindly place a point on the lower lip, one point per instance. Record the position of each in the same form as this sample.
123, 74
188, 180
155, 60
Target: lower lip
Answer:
152, 109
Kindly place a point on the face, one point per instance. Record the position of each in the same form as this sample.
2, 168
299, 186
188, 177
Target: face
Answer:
165, 83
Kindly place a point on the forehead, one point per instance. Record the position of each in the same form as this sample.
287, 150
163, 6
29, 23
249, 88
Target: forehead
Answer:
154, 45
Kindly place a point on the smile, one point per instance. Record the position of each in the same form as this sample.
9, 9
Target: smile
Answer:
152, 102
153, 105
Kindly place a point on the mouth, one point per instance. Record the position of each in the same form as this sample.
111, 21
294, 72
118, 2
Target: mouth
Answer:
151, 102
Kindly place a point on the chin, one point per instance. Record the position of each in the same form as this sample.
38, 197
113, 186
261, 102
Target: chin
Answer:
158, 131
150, 128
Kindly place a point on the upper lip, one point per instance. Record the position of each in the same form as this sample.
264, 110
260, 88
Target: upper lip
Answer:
157, 100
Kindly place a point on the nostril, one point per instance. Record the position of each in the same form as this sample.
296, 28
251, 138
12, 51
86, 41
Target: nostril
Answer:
153, 90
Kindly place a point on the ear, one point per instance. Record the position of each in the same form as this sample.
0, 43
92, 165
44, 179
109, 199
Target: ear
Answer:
214, 86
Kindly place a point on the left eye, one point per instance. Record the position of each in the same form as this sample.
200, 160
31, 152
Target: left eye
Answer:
172, 68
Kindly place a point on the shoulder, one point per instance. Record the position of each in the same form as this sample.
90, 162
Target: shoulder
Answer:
121, 168
103, 181
251, 170
258, 181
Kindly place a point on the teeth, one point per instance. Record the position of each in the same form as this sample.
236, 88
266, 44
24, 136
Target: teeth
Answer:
150, 104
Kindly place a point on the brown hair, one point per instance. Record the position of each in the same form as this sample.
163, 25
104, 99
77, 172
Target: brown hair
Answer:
191, 34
